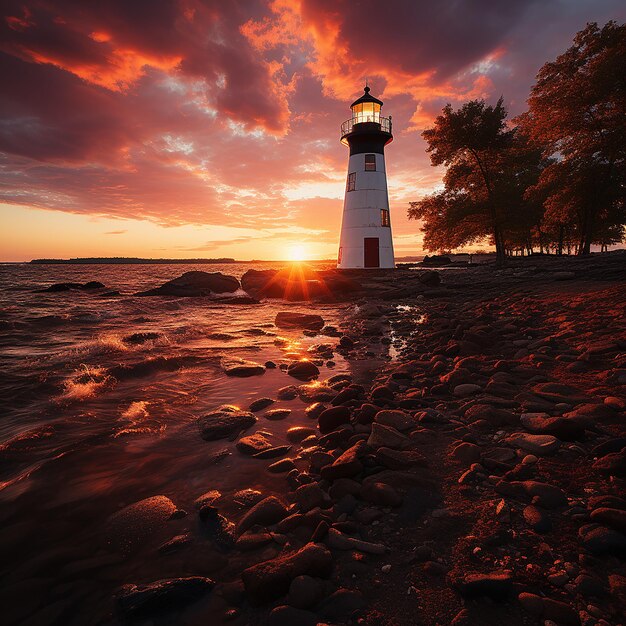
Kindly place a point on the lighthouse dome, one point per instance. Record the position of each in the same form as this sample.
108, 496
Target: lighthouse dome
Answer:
367, 97
366, 108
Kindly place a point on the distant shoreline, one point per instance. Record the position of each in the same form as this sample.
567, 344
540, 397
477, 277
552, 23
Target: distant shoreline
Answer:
141, 261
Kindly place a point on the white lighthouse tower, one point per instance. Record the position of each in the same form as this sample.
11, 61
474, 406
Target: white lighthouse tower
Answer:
366, 226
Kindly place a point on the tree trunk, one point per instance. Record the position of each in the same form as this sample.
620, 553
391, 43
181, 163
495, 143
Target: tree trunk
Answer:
559, 249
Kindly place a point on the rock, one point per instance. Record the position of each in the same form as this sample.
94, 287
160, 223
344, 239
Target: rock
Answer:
195, 283
537, 519
338, 541
271, 579
297, 433
260, 404
313, 411
59, 287
429, 278
466, 453
209, 497
247, 497
617, 585
241, 367
287, 393
175, 543
289, 319
568, 429
614, 518
253, 443
220, 530
138, 521
161, 596
539, 445
289, 615
380, 494
601, 541
495, 585
613, 464
347, 465
381, 392
224, 422
253, 541
465, 390
332, 418
276, 414
615, 403
395, 419
272, 453
282, 466
342, 606
491, 414
304, 592
548, 496
386, 437
400, 459
549, 609
303, 370
266, 512
589, 411
309, 497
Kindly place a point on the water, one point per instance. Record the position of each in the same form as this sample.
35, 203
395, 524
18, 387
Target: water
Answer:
92, 421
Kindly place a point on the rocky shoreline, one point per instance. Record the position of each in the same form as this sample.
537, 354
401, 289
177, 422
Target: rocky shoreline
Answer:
478, 478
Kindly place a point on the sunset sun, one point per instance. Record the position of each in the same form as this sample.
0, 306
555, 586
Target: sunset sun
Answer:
296, 252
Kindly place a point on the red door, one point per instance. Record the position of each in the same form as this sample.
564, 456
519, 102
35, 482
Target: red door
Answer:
372, 257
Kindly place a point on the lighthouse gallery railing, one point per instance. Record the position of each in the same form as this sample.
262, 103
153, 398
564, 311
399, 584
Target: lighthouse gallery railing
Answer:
384, 122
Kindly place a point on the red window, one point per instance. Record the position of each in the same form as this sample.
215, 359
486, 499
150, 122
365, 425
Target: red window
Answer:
351, 184
370, 162
384, 217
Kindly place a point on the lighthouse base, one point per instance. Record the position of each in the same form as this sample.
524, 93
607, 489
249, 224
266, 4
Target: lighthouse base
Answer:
366, 251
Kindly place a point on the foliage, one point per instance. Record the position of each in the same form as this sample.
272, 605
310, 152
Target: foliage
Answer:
557, 178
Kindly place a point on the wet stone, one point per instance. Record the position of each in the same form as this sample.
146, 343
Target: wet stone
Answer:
537, 519
241, 367
224, 422
276, 414
271, 579
252, 444
260, 404
162, 595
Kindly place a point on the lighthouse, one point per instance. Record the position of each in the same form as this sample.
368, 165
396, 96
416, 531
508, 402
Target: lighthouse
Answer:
366, 240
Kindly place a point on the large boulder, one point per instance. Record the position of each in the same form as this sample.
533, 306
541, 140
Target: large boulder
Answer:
59, 287
136, 522
298, 283
225, 422
290, 319
303, 370
195, 283
271, 579
268, 511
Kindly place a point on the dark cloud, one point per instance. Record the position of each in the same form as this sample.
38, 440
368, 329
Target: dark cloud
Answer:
213, 112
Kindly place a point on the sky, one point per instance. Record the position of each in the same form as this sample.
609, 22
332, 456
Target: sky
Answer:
210, 128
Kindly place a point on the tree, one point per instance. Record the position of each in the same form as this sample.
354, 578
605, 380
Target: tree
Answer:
576, 113
468, 142
489, 168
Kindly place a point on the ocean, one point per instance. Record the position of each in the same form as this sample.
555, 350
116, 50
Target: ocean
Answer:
96, 417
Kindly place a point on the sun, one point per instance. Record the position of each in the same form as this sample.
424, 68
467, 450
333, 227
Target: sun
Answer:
296, 252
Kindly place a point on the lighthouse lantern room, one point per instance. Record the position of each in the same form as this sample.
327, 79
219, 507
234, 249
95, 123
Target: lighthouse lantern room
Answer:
366, 240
